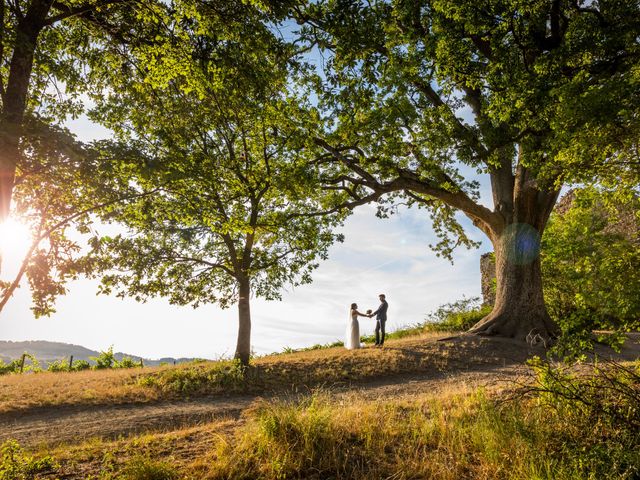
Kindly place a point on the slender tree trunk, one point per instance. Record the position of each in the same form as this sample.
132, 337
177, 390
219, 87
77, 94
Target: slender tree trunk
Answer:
243, 346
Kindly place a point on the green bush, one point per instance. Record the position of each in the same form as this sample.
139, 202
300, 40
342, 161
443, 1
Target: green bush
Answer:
127, 362
457, 316
198, 378
590, 258
12, 367
104, 360
80, 365
58, 366
31, 364
15, 464
600, 409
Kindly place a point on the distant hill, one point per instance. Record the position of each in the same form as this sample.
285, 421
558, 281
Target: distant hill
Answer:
47, 352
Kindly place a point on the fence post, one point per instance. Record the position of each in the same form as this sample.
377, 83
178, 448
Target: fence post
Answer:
141, 363
22, 362
70, 362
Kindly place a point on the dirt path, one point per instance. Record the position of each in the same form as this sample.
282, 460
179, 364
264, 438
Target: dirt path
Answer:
53, 425
66, 424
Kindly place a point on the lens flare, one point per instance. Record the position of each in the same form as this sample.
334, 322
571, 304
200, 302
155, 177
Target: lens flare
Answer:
15, 239
522, 242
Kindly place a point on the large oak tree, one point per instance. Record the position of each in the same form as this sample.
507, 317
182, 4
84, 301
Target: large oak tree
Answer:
533, 94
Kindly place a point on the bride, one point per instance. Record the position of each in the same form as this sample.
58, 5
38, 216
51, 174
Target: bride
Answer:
353, 330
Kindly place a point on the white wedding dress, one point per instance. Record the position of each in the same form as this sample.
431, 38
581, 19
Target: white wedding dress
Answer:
352, 339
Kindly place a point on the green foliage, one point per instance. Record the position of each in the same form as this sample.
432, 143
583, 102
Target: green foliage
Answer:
606, 393
145, 468
61, 56
420, 89
58, 366
127, 362
105, 360
457, 316
590, 259
79, 365
12, 367
63, 366
26, 363
223, 375
600, 406
216, 127
15, 464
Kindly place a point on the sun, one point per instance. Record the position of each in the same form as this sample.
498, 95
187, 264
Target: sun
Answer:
15, 239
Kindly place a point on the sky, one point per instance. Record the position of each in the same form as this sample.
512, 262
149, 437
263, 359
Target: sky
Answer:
389, 256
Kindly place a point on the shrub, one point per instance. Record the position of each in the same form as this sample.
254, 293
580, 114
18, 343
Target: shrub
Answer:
58, 366
590, 258
104, 360
457, 316
127, 362
600, 410
31, 364
197, 378
16, 465
80, 365
12, 367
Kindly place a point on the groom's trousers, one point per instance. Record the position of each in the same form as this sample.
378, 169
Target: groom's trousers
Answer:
380, 331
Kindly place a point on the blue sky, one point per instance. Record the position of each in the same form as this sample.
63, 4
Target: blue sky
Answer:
388, 256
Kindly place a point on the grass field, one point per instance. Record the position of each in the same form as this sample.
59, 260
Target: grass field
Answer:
291, 371
322, 415
461, 434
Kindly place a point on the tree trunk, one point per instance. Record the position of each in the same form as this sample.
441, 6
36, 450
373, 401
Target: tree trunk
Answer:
519, 311
243, 346
14, 98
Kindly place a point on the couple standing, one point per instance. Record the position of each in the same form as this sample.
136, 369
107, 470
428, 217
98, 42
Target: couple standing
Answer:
353, 331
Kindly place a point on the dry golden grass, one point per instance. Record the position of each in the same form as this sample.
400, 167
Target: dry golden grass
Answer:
92, 387
454, 431
293, 371
196, 452
458, 433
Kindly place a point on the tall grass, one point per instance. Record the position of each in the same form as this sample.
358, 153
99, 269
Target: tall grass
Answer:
464, 437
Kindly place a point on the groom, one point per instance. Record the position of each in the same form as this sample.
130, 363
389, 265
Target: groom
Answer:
381, 319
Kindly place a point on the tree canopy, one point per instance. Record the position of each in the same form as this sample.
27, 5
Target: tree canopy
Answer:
532, 94
221, 137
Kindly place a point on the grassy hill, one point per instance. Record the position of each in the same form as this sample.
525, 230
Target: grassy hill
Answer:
421, 407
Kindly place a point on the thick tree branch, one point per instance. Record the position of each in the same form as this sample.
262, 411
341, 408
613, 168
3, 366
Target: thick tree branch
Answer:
67, 11
409, 181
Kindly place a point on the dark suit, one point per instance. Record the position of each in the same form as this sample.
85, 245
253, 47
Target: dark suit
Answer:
381, 319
